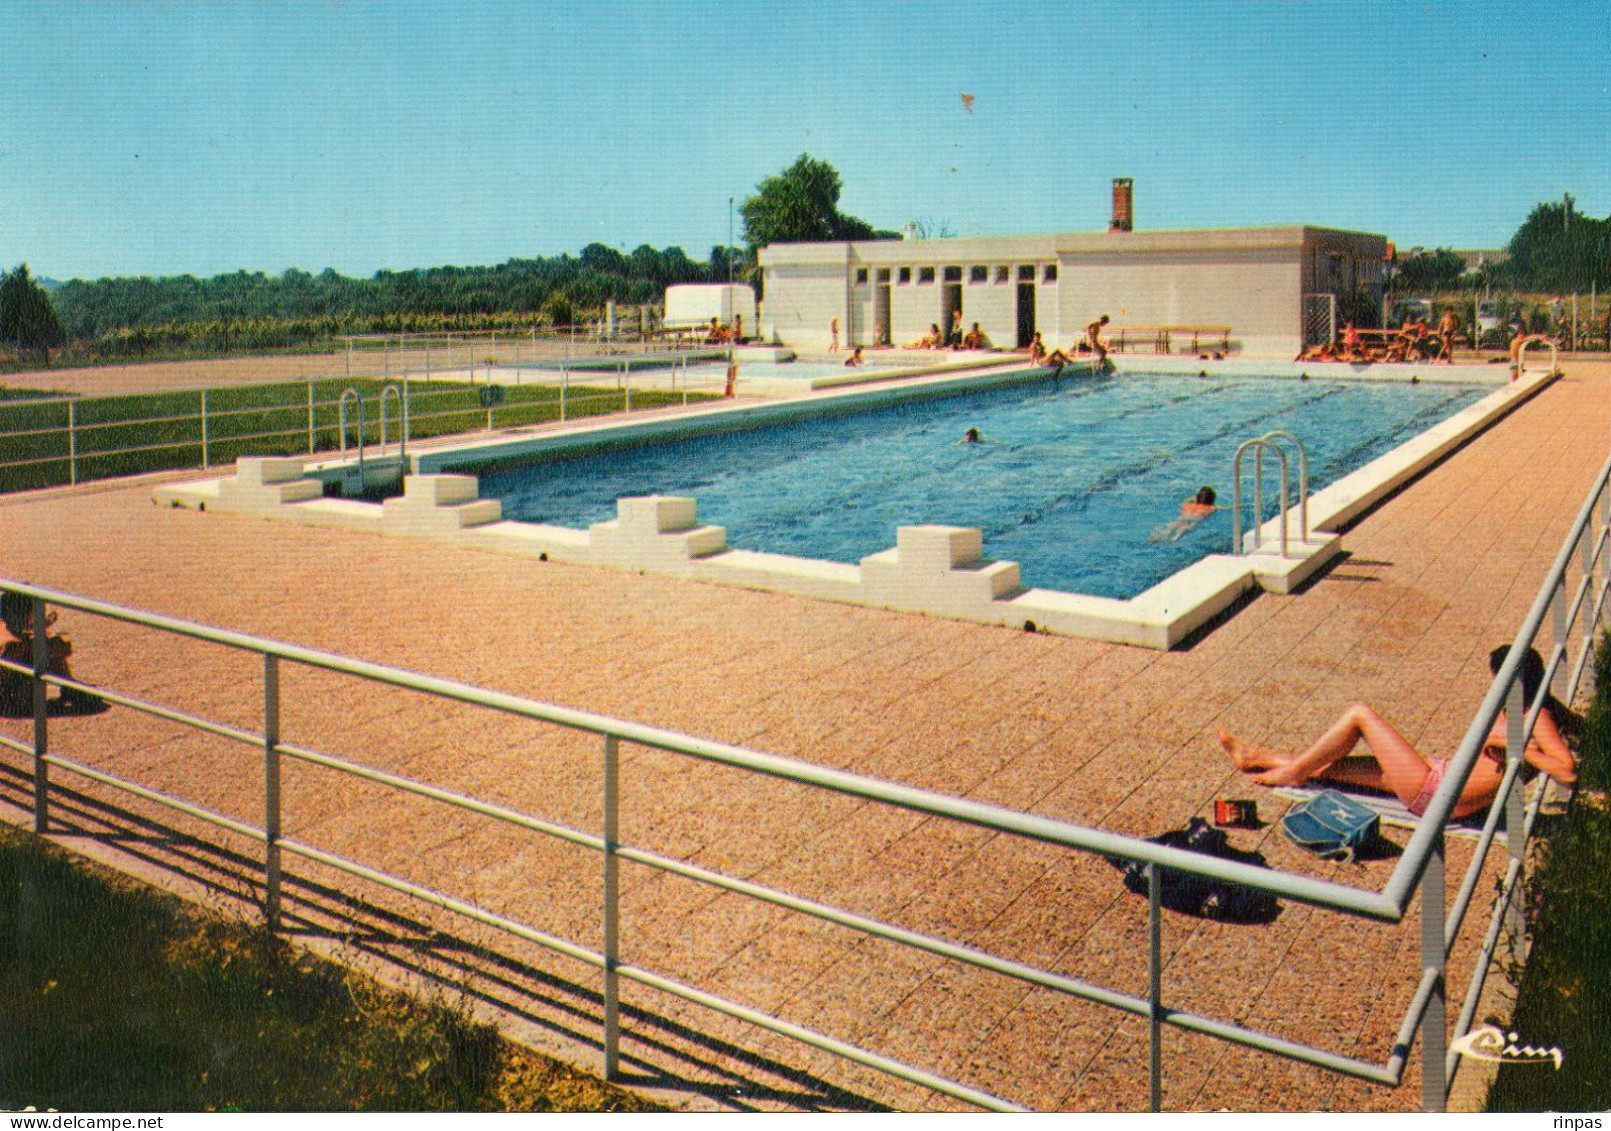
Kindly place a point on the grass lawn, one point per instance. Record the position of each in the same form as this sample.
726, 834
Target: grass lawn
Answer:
1565, 998
270, 419
114, 997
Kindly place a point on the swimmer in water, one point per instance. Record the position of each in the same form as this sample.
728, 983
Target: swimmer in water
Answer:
971, 436
1192, 511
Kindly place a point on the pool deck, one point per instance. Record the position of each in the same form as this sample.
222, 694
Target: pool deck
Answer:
1102, 734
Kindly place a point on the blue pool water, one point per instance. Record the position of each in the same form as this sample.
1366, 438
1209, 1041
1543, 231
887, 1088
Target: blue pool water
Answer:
1073, 477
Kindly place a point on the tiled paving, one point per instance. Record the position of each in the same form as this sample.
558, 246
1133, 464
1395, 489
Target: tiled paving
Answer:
1101, 734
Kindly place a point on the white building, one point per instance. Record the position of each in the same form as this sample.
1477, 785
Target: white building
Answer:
1268, 286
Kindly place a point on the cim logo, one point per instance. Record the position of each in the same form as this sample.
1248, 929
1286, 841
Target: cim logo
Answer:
1489, 1043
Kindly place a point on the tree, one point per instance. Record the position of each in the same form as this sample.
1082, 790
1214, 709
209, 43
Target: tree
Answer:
28, 318
1428, 270
800, 205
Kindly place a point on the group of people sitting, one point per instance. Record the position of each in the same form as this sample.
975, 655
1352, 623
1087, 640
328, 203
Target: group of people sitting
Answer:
935, 339
720, 335
1414, 341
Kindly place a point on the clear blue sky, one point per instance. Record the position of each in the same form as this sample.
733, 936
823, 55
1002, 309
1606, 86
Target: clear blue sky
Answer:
190, 137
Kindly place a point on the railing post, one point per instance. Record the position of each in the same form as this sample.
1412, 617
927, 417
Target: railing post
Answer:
72, 441
1605, 525
205, 462
626, 377
271, 791
1434, 956
564, 388
310, 415
612, 923
1154, 988
1515, 818
1558, 609
41, 733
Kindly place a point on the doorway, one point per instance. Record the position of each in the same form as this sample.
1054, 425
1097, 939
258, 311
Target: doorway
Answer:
950, 305
881, 318
1026, 314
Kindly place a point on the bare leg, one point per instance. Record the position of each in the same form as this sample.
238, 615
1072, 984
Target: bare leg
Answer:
1403, 770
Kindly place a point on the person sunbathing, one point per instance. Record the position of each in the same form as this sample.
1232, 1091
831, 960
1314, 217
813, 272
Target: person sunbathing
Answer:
1396, 767
929, 341
973, 339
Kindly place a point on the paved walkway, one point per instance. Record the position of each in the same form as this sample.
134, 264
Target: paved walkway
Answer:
1106, 735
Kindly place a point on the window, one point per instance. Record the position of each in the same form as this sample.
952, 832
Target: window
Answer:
1026, 273
906, 275
883, 275
925, 274
953, 274
979, 275
1002, 274
1051, 274
861, 275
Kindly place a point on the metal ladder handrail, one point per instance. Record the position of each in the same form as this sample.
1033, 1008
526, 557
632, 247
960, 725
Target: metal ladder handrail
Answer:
1538, 339
402, 416
342, 413
1274, 441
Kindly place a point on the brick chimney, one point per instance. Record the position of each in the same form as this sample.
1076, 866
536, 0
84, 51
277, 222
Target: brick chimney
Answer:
1123, 206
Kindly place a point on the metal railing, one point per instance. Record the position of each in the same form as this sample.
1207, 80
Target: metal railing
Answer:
76, 449
1576, 611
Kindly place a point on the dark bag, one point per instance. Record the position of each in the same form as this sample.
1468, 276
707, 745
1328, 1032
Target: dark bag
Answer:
1332, 825
1201, 896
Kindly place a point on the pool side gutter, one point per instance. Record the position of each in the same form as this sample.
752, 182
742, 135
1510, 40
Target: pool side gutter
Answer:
933, 570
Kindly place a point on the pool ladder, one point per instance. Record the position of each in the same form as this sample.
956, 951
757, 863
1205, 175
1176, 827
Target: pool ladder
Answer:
402, 427
1273, 441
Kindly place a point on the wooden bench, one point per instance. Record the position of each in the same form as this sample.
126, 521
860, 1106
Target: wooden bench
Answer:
1162, 339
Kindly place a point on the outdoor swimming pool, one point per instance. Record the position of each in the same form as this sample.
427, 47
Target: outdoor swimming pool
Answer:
1072, 480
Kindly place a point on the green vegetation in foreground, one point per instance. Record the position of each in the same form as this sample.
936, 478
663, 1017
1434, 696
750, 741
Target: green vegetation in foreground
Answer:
1565, 998
118, 998
168, 426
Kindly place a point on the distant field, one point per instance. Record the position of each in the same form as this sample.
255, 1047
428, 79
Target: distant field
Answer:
127, 435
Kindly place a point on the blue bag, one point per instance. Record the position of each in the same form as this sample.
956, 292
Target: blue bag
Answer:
1332, 825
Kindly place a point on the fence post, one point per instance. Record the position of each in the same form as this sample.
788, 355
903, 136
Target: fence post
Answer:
204, 454
1585, 558
72, 441
1434, 956
311, 429
1154, 988
1515, 834
612, 923
626, 374
564, 387
271, 792
41, 733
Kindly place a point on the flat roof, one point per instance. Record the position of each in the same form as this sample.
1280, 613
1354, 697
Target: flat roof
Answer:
1051, 244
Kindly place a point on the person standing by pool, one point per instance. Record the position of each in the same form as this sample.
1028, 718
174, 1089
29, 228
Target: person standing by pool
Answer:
954, 338
1447, 326
1093, 338
833, 336
1037, 349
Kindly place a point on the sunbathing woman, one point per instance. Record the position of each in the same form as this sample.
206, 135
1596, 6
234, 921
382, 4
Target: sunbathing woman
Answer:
1396, 767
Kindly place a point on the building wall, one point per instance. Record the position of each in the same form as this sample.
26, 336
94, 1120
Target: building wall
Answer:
1256, 294
1252, 280
806, 287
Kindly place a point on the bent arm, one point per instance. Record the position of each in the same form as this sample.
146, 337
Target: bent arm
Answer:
1548, 751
